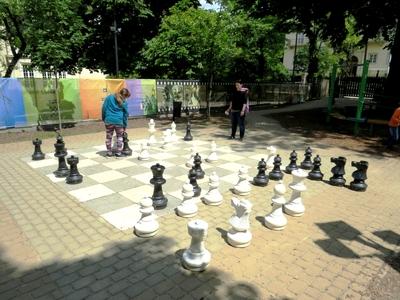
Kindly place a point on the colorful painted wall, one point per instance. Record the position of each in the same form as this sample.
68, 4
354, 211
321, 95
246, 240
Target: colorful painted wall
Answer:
28, 102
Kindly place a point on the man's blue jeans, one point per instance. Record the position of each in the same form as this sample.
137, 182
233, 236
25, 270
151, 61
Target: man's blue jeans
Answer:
235, 120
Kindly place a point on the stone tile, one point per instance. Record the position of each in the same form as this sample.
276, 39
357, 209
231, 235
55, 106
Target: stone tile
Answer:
107, 176
108, 203
91, 192
120, 164
138, 193
123, 218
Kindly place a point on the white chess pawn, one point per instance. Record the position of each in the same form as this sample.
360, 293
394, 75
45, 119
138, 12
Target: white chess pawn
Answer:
270, 158
189, 162
213, 196
174, 138
295, 206
243, 187
213, 157
239, 235
196, 257
152, 139
276, 220
147, 225
188, 208
144, 153
166, 139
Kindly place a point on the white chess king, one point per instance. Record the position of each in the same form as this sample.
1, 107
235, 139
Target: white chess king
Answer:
276, 220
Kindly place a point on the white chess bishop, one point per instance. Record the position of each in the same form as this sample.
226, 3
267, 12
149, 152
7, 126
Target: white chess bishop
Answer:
213, 157
147, 225
152, 139
144, 153
270, 157
189, 162
295, 206
197, 257
213, 196
188, 208
239, 235
243, 187
276, 220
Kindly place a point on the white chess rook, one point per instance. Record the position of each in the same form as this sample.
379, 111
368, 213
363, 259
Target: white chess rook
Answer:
213, 196
239, 235
295, 206
243, 187
270, 157
188, 208
144, 153
276, 220
147, 225
152, 139
196, 257
213, 157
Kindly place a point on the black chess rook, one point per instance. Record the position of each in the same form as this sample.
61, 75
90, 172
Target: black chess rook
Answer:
74, 177
37, 153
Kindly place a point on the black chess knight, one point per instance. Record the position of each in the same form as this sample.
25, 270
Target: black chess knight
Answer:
338, 171
359, 176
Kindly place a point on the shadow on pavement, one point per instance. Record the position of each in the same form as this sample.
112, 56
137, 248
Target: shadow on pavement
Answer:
139, 269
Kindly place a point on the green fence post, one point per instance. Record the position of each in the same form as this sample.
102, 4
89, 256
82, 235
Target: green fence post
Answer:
331, 92
361, 94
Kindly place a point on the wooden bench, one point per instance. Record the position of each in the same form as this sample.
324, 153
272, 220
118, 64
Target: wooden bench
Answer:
373, 122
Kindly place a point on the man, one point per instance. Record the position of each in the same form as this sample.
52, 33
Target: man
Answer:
237, 109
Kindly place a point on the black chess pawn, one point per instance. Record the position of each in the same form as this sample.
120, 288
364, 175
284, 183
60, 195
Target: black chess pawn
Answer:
276, 173
315, 173
292, 165
159, 200
126, 150
193, 181
61, 153
37, 153
261, 179
338, 171
307, 164
74, 177
197, 166
188, 135
359, 176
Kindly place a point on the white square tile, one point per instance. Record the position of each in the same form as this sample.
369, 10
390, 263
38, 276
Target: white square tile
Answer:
233, 167
86, 163
93, 154
123, 218
53, 178
198, 149
259, 156
107, 176
100, 148
91, 192
119, 164
230, 157
232, 178
145, 177
138, 193
163, 163
225, 149
162, 155
42, 163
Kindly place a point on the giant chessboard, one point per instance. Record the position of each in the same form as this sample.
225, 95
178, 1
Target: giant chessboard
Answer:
113, 187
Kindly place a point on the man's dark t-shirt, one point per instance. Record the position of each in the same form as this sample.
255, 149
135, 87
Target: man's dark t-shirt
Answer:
238, 98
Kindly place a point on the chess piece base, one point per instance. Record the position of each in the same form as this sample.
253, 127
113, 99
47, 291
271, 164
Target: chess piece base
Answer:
159, 203
74, 179
315, 176
38, 156
239, 239
146, 230
196, 261
307, 166
294, 209
337, 181
275, 223
275, 176
61, 173
260, 181
358, 187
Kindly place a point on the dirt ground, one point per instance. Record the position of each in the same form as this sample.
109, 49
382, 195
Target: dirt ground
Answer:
310, 124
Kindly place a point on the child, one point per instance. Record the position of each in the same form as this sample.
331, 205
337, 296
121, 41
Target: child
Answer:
394, 123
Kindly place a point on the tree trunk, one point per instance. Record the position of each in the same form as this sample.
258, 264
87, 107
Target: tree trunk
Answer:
391, 91
313, 62
13, 63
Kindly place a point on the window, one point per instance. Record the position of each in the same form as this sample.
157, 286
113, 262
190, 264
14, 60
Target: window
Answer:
372, 58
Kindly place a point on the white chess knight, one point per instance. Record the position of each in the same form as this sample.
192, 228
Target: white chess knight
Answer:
276, 220
189, 162
239, 235
174, 137
213, 157
166, 139
147, 225
295, 206
188, 208
144, 153
213, 196
270, 158
152, 139
196, 257
243, 187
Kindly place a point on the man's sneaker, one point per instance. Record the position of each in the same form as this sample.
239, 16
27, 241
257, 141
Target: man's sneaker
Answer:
231, 137
119, 155
241, 139
109, 154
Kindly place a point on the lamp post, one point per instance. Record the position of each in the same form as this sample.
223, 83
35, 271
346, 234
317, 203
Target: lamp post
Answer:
115, 29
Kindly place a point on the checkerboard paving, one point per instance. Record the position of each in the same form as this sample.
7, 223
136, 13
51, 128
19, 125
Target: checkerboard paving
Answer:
113, 187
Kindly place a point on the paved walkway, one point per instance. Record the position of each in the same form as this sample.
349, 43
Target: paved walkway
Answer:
52, 247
